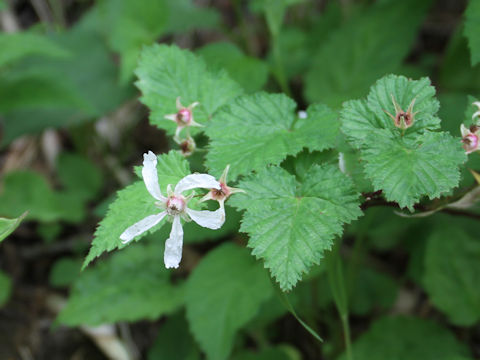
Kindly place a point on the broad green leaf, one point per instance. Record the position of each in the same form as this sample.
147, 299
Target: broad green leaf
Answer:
174, 341
7, 226
406, 169
21, 45
89, 76
361, 118
28, 190
135, 203
452, 272
371, 290
5, 288
363, 50
404, 166
291, 224
64, 271
132, 285
401, 338
266, 130
249, 72
274, 11
79, 175
167, 72
198, 17
218, 303
472, 30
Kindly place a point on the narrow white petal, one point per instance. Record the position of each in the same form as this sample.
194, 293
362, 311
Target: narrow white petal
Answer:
208, 219
475, 115
141, 226
194, 181
173, 245
150, 176
464, 130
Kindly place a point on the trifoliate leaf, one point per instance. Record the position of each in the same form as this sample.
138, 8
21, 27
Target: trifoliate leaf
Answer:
251, 73
472, 30
29, 191
406, 169
452, 272
131, 285
135, 203
218, 303
401, 338
174, 341
291, 224
266, 130
5, 288
17, 46
405, 165
7, 226
361, 118
167, 72
362, 50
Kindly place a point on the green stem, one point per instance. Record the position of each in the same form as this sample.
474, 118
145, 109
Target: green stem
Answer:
278, 63
337, 286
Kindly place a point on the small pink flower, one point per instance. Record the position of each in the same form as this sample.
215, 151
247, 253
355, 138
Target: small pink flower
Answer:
470, 138
183, 118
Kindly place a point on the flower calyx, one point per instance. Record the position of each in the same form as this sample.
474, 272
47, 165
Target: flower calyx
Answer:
183, 117
402, 119
222, 194
187, 146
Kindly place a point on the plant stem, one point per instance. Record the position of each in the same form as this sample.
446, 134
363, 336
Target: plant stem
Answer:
337, 286
279, 70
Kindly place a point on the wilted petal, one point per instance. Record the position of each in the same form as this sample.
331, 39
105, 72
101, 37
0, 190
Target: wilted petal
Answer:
208, 219
194, 181
173, 245
141, 226
150, 176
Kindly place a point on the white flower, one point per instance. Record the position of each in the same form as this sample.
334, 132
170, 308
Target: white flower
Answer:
470, 138
175, 206
183, 118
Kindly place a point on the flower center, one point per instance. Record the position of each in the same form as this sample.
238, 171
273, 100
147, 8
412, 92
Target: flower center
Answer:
470, 142
184, 116
223, 193
175, 205
405, 117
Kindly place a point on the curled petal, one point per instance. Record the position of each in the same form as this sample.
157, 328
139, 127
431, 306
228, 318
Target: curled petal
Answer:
141, 226
150, 176
208, 219
194, 181
173, 245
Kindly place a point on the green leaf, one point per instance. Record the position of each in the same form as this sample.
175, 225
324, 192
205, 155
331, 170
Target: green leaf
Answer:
266, 124
174, 341
132, 285
135, 203
167, 72
404, 166
472, 30
198, 17
79, 175
401, 338
27, 190
217, 302
406, 169
5, 288
251, 73
21, 45
362, 118
274, 11
291, 224
358, 53
64, 271
372, 290
451, 274
7, 226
